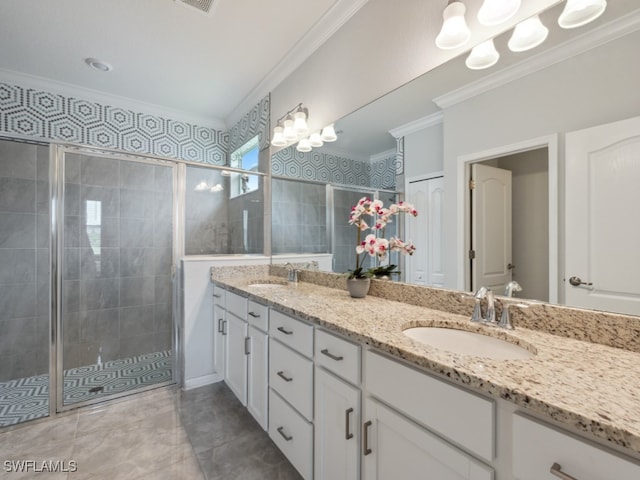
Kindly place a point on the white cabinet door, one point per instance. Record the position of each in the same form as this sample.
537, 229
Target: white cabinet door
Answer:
257, 376
235, 375
337, 420
395, 447
219, 344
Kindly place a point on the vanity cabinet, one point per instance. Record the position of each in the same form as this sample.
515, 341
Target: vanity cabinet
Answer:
219, 343
235, 374
291, 390
538, 448
258, 362
337, 408
395, 447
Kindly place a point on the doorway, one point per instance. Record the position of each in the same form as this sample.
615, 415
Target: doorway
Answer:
532, 234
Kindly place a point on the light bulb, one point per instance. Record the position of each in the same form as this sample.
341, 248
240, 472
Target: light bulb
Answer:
482, 56
328, 134
278, 137
580, 12
528, 34
300, 123
304, 145
288, 132
494, 12
315, 140
454, 32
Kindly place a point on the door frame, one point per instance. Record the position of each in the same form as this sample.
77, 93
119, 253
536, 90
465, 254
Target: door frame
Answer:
463, 214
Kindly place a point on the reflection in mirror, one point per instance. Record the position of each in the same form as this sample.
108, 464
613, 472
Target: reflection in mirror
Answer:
576, 79
221, 218
312, 196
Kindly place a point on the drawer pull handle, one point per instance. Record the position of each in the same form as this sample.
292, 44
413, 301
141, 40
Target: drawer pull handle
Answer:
284, 377
254, 315
331, 355
224, 327
247, 342
215, 295
365, 433
556, 470
285, 331
287, 438
220, 325
347, 434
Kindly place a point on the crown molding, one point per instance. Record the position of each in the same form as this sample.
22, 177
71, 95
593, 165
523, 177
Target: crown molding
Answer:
577, 45
324, 28
76, 91
378, 157
417, 125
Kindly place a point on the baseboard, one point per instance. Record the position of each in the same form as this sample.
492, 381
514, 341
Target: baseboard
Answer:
202, 381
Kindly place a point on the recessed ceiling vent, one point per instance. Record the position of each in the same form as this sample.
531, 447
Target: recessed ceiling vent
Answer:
202, 6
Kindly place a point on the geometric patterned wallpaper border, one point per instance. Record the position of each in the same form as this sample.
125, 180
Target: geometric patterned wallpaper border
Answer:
256, 122
329, 168
52, 116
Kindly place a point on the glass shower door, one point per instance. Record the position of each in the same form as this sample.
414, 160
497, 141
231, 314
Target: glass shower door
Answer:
116, 315
24, 282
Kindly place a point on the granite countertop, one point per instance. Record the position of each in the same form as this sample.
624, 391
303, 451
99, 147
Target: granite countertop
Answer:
586, 386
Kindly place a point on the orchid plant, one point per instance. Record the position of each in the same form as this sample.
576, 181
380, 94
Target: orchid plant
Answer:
374, 243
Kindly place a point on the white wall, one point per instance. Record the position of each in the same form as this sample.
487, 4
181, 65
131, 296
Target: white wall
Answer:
597, 87
383, 46
423, 153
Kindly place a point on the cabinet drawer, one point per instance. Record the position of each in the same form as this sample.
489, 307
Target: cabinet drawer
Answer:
219, 294
536, 448
258, 315
291, 375
460, 416
292, 434
338, 355
236, 304
293, 333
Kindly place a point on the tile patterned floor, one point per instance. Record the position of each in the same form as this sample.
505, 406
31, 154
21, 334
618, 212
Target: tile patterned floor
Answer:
202, 434
28, 398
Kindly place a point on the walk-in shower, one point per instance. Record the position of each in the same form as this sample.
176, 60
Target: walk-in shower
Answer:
87, 255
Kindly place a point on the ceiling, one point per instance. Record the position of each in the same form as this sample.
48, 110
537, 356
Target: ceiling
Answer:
163, 54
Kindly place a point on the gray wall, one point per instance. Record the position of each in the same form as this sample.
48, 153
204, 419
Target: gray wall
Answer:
24, 260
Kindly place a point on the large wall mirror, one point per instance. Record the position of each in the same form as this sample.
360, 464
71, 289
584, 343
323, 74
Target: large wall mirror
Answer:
453, 125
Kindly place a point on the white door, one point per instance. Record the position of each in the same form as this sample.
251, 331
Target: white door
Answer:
235, 375
337, 420
257, 376
490, 227
425, 266
602, 228
396, 448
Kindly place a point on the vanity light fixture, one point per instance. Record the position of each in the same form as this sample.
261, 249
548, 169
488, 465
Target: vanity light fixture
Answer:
482, 56
455, 32
580, 12
292, 126
300, 123
494, 12
278, 139
528, 34
289, 133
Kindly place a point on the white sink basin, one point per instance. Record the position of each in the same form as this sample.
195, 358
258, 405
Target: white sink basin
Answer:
468, 343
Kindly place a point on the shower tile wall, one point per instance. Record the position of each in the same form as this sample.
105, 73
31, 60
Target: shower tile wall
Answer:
24, 260
253, 204
117, 295
299, 217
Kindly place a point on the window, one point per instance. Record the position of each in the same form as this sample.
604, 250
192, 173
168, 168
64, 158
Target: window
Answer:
246, 158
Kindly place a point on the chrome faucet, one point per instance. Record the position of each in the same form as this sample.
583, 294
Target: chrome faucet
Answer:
292, 273
490, 317
511, 287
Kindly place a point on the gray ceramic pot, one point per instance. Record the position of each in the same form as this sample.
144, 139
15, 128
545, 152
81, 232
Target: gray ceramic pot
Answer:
358, 287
